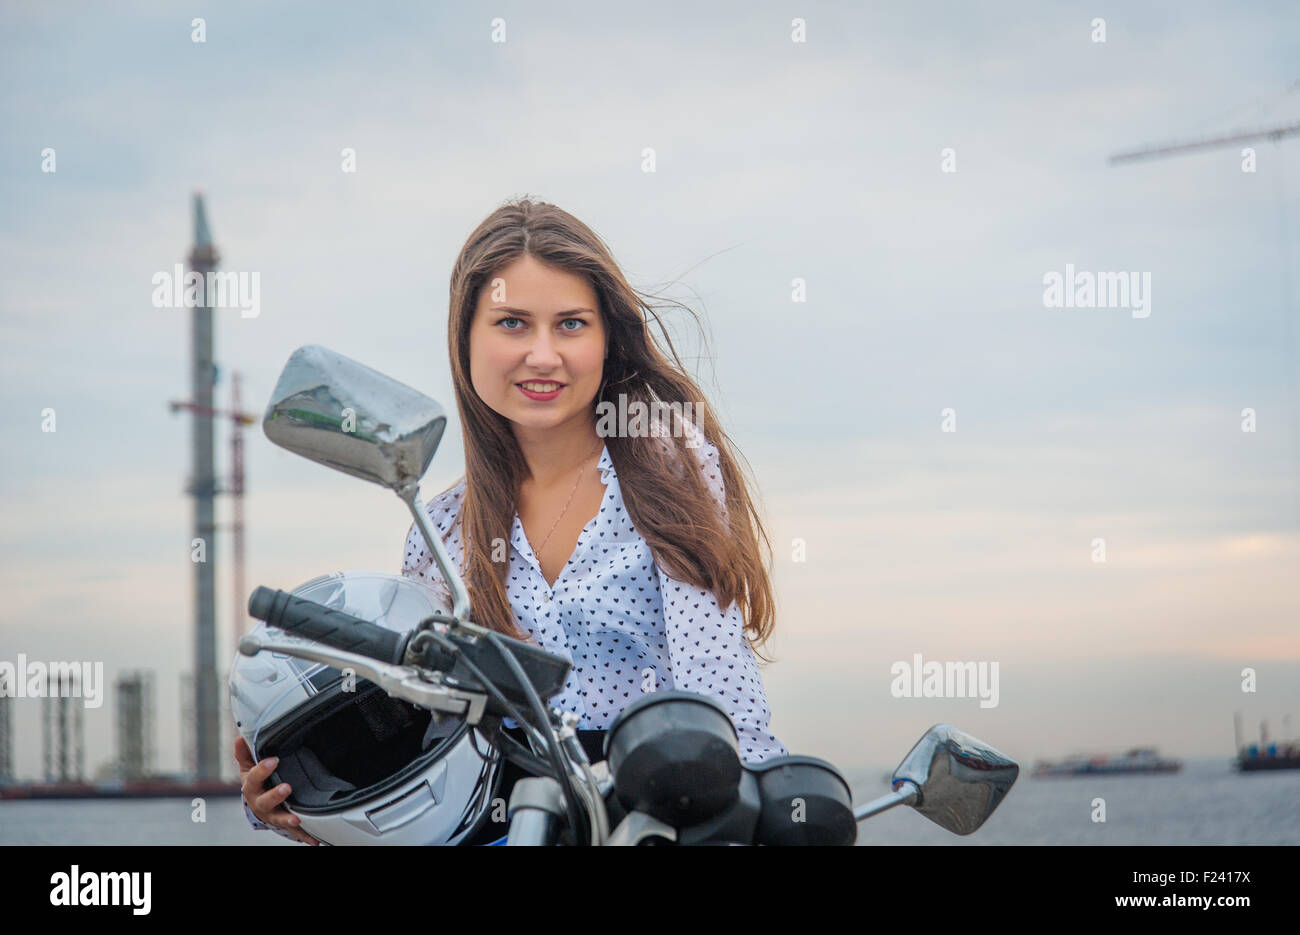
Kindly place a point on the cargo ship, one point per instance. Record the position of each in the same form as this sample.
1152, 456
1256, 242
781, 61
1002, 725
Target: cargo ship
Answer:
1252, 758
1267, 754
1137, 760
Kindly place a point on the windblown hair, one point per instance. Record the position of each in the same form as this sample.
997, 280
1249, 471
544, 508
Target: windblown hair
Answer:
664, 490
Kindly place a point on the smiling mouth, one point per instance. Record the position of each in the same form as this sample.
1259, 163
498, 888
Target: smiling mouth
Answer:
540, 386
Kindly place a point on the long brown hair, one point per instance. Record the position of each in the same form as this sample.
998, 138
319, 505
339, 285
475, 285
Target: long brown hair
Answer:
670, 506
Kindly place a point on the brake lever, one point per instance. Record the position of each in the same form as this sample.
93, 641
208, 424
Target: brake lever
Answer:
417, 686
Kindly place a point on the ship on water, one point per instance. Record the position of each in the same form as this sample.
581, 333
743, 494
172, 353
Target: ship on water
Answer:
1267, 754
1137, 760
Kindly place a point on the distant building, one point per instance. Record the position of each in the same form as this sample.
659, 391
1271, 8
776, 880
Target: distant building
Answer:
135, 725
62, 728
6, 731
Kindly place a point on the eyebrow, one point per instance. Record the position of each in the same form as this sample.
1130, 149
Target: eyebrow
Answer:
524, 311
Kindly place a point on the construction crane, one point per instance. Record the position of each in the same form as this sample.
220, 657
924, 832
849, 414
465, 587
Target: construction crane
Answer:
1275, 134
1272, 134
203, 260
239, 421
202, 487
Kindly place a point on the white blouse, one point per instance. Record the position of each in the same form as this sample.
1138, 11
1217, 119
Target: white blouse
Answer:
608, 615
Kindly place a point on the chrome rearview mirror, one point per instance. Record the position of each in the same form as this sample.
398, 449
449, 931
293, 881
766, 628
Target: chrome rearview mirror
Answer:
335, 411
951, 778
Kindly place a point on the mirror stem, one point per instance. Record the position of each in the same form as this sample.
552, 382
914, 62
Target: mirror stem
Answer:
906, 794
410, 494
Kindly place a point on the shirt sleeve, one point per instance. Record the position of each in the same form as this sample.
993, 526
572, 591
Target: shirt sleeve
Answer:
259, 825
708, 649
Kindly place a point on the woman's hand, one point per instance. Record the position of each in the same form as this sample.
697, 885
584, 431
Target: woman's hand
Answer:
267, 806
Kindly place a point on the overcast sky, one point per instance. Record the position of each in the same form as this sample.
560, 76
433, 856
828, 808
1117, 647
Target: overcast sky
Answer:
775, 160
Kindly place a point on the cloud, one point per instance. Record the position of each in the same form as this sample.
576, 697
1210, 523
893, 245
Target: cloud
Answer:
818, 162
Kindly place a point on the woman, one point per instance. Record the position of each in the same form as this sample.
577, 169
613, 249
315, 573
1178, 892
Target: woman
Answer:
603, 523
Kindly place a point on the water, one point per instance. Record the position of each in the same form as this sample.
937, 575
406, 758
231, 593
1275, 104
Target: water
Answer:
1206, 803
138, 821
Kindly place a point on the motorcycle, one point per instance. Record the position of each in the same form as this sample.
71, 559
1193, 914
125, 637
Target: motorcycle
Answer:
671, 773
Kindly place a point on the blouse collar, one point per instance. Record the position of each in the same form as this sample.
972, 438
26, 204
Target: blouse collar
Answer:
606, 466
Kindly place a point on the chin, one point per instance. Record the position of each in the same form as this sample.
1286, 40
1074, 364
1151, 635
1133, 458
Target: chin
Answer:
538, 420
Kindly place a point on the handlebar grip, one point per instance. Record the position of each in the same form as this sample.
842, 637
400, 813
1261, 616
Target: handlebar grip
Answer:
314, 621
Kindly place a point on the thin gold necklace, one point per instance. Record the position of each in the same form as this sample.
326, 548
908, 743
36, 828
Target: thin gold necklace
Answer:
538, 551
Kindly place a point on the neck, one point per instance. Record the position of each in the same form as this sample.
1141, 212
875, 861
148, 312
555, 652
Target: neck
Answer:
555, 454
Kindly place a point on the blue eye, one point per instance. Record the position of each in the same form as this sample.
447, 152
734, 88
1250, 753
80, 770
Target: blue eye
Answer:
521, 323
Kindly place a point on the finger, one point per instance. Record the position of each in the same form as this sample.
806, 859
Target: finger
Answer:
263, 770
291, 824
271, 800
250, 787
243, 755
304, 837
256, 777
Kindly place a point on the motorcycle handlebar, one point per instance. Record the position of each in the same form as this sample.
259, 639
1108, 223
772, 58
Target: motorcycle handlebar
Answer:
313, 621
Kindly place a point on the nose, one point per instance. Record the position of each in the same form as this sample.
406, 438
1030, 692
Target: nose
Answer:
542, 354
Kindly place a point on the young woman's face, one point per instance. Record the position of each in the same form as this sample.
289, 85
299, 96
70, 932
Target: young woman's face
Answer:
535, 324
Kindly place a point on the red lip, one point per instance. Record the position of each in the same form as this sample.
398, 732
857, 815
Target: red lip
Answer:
546, 396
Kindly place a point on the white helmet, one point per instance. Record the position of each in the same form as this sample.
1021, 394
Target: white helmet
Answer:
366, 768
